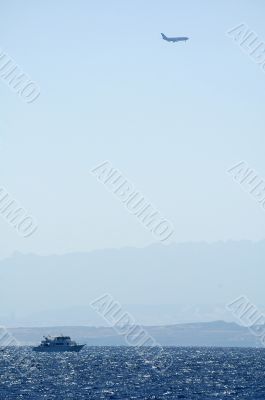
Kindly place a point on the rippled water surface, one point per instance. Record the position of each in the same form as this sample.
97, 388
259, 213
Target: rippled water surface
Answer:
123, 373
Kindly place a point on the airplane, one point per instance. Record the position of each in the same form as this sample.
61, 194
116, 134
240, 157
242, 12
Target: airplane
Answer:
174, 39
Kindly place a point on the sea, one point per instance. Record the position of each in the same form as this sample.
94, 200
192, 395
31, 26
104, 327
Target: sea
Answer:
131, 373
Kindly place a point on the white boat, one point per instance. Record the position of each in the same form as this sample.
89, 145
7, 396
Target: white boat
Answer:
58, 344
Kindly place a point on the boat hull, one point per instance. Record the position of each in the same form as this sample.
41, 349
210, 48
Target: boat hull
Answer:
58, 349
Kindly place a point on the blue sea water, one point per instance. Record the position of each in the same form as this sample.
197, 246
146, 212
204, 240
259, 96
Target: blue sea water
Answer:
124, 373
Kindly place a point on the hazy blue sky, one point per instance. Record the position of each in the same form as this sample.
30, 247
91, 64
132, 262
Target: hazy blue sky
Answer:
171, 117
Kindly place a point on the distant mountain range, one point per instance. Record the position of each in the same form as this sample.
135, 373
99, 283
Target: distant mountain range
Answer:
216, 333
159, 285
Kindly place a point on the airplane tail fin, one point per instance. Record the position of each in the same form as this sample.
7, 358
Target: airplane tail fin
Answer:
163, 36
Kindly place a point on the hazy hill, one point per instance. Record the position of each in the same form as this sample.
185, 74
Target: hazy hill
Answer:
158, 284
201, 334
